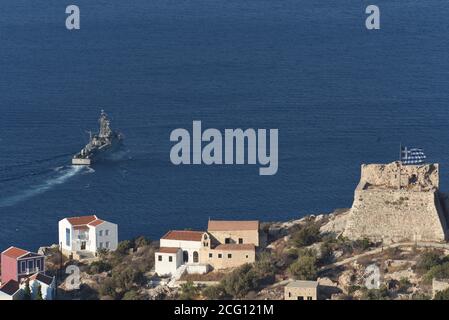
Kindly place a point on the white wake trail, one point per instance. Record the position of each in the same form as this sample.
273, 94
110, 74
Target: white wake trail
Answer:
48, 184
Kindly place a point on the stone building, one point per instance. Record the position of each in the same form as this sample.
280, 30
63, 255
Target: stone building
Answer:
235, 232
301, 290
395, 202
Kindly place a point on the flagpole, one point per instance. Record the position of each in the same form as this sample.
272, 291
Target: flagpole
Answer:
400, 164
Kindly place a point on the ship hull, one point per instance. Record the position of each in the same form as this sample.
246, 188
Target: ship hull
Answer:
97, 154
81, 161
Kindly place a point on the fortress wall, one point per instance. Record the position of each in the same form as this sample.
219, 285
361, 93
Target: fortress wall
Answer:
417, 177
396, 215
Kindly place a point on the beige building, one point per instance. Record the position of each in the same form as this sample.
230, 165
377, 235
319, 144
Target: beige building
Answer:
226, 256
227, 244
301, 290
235, 232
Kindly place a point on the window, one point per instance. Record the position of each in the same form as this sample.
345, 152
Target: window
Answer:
22, 266
210, 255
100, 233
38, 264
67, 237
107, 244
219, 255
240, 240
30, 264
195, 256
106, 232
300, 298
229, 256
170, 259
159, 258
227, 240
101, 245
246, 256
289, 294
309, 298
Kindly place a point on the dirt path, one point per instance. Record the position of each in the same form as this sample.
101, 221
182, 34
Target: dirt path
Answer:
379, 250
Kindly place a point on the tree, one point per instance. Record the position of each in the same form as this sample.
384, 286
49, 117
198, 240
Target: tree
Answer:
124, 246
27, 291
428, 260
141, 241
307, 235
240, 281
39, 293
305, 268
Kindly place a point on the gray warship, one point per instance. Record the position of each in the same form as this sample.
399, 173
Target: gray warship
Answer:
100, 144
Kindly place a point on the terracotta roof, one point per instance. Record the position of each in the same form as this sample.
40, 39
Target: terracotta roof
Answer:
76, 221
96, 222
10, 287
235, 246
184, 235
228, 225
42, 278
82, 227
14, 252
167, 250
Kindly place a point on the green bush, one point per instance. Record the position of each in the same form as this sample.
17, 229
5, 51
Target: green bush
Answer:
126, 279
141, 242
428, 260
240, 281
107, 288
307, 235
124, 246
376, 294
99, 266
214, 292
438, 271
131, 295
188, 291
305, 268
327, 253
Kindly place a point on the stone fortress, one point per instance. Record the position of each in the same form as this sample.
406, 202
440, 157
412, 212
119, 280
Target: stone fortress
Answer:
397, 203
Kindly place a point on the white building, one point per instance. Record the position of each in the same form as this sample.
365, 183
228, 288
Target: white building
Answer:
178, 248
86, 234
46, 284
168, 260
14, 290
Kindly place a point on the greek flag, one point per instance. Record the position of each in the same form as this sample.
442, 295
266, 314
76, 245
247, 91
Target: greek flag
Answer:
412, 155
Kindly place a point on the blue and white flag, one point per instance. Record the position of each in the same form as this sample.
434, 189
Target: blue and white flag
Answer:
412, 155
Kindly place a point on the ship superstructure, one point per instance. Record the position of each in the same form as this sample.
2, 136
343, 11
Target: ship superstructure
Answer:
100, 144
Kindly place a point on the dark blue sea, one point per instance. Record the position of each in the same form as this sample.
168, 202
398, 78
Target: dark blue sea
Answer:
339, 94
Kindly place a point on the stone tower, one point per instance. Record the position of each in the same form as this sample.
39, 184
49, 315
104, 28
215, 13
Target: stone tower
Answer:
395, 202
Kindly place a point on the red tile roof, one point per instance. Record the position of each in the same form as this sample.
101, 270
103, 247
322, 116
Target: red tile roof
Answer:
14, 252
10, 287
76, 221
96, 222
167, 250
234, 246
229, 225
183, 235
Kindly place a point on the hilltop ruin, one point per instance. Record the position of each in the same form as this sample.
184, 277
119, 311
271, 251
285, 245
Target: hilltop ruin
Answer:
395, 202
